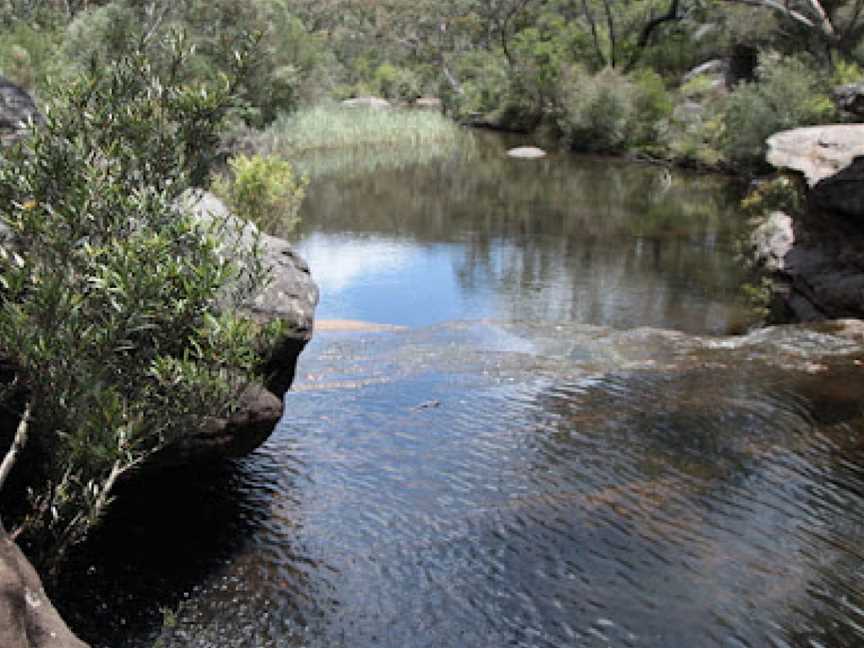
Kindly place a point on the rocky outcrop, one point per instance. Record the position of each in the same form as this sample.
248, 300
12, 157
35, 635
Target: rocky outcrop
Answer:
291, 296
16, 109
821, 273
27, 617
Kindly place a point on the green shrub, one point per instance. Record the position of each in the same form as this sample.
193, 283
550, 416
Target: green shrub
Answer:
846, 72
597, 110
787, 95
652, 107
396, 83
118, 310
27, 53
264, 190
485, 84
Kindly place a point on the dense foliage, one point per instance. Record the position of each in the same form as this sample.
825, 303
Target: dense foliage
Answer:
264, 190
602, 74
118, 315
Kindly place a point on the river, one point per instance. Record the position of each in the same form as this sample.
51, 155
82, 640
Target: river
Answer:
526, 424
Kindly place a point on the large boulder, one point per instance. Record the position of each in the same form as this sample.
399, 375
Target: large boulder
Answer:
27, 617
291, 296
821, 273
16, 109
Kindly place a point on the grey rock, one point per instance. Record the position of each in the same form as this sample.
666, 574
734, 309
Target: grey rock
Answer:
291, 296
526, 152
259, 410
817, 152
373, 103
850, 98
16, 109
822, 273
27, 617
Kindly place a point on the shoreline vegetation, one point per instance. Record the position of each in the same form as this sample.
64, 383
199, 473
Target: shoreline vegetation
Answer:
700, 85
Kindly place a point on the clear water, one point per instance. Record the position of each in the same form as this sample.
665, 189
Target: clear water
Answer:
526, 463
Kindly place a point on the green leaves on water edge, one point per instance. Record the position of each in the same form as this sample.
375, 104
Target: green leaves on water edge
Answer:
119, 310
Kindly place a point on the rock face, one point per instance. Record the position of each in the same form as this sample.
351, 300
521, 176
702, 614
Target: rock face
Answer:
822, 273
27, 617
291, 297
16, 108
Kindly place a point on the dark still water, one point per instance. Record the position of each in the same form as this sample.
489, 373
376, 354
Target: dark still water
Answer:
565, 238
525, 463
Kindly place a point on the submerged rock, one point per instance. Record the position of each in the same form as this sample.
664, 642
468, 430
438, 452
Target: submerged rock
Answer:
27, 617
822, 272
526, 152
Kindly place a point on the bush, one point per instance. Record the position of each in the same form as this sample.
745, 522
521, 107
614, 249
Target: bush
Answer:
117, 312
264, 190
396, 83
787, 95
26, 53
652, 108
597, 110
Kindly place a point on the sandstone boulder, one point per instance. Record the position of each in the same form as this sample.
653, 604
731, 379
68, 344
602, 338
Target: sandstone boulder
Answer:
291, 296
27, 617
822, 273
16, 109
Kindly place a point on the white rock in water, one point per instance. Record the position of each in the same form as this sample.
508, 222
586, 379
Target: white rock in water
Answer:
526, 152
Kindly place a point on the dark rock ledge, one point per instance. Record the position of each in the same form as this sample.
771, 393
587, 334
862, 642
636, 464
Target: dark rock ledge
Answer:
817, 256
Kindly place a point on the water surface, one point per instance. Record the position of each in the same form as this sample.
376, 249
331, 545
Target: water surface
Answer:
529, 462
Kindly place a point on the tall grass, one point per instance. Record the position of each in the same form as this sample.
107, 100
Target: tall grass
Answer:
329, 127
327, 140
